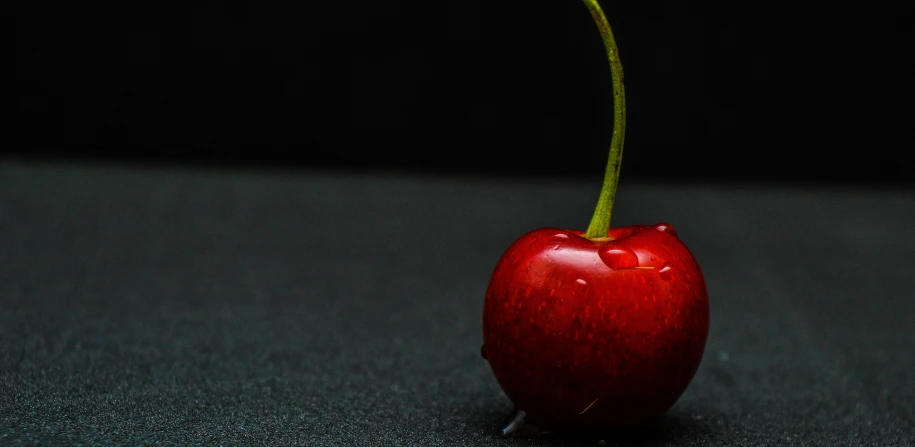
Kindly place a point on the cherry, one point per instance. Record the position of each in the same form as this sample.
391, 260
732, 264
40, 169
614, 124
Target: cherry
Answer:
596, 330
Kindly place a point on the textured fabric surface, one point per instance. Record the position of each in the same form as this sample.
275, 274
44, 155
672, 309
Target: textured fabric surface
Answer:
192, 307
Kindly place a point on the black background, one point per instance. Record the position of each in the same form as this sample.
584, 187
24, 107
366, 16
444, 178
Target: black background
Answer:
749, 91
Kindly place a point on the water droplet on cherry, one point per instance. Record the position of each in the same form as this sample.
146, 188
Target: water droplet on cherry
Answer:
667, 228
558, 239
582, 287
666, 272
617, 257
483, 351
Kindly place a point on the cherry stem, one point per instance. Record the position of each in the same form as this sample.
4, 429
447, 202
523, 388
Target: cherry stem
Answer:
600, 222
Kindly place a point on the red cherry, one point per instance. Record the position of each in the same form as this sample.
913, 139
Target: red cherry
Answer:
581, 345
597, 330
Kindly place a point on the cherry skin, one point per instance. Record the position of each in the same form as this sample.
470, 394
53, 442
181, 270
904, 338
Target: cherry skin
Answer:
596, 335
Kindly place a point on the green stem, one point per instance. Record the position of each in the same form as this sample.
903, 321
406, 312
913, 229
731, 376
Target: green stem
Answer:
600, 222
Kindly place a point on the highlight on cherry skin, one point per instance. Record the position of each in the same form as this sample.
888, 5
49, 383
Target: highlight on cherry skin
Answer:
595, 335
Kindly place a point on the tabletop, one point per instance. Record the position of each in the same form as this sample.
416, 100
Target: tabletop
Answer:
230, 307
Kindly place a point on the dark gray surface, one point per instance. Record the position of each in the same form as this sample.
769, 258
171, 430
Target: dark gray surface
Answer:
143, 306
